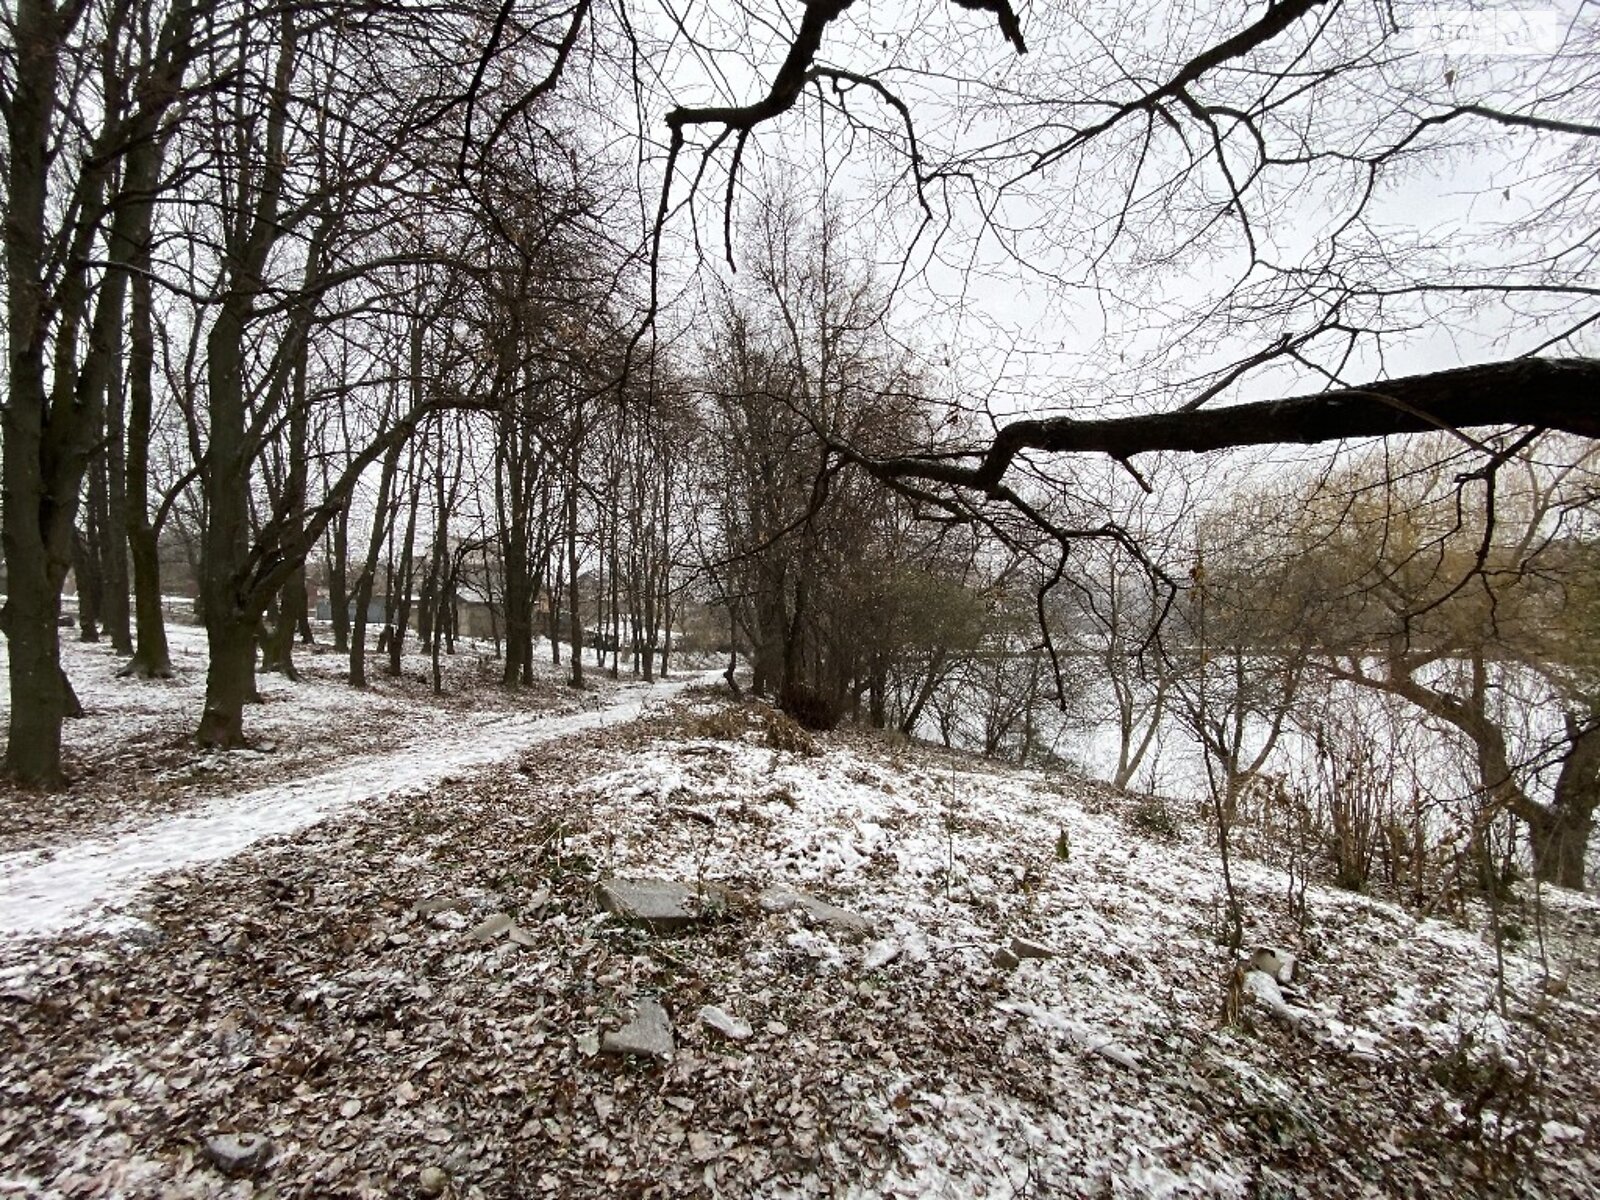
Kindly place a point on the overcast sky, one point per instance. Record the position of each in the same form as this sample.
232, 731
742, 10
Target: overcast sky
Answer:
1054, 302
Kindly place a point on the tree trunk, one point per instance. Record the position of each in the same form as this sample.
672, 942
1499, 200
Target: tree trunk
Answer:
877, 692
1558, 833
666, 621
292, 606
381, 520
86, 570
558, 595
230, 682
151, 658
1560, 849
231, 626
1561, 840
338, 574
230, 630
39, 700
94, 542
112, 477
402, 599
510, 496
574, 617
278, 647
45, 439
930, 681
113, 544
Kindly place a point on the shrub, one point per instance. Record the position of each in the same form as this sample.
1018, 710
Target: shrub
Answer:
784, 733
725, 724
1154, 817
813, 709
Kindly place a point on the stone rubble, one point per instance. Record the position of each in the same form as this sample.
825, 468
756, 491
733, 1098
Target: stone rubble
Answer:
724, 1023
238, 1153
648, 1035
660, 905
815, 911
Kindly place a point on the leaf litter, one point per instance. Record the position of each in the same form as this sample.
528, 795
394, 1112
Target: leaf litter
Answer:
352, 993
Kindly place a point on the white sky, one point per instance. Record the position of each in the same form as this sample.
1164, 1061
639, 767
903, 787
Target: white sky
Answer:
1033, 325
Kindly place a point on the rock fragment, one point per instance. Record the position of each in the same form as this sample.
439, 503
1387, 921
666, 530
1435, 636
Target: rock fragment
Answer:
1023, 948
238, 1153
660, 905
724, 1023
439, 904
881, 953
648, 1035
1005, 959
432, 1181
491, 927
815, 912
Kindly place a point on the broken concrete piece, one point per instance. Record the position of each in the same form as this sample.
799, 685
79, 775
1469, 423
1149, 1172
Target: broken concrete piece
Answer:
1023, 948
238, 1153
649, 1033
1277, 963
1263, 987
881, 953
439, 904
491, 927
1112, 1052
816, 912
660, 905
1264, 990
725, 1023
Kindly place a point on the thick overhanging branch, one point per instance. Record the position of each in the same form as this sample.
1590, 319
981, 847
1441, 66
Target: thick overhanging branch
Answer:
786, 84
1554, 394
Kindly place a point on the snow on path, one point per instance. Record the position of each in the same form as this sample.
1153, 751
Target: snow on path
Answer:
44, 893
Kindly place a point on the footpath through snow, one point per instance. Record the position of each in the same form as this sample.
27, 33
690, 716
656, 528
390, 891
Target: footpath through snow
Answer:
402, 977
47, 892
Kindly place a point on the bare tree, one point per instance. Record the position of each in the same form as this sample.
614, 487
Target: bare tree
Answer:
76, 211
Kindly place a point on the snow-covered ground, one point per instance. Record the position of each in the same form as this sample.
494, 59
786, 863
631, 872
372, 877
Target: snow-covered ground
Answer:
132, 757
296, 991
82, 885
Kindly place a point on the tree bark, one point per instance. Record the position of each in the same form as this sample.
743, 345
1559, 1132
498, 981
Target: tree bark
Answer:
1544, 393
86, 569
338, 593
382, 518
292, 607
113, 538
51, 421
230, 681
151, 658
1558, 832
574, 616
231, 623
400, 614
38, 514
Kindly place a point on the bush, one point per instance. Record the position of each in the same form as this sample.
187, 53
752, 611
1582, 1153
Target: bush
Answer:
784, 733
1154, 817
811, 708
728, 724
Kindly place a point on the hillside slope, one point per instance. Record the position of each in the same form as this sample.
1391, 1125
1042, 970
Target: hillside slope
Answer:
415, 998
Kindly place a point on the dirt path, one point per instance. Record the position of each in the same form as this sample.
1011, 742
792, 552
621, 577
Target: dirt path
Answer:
46, 892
